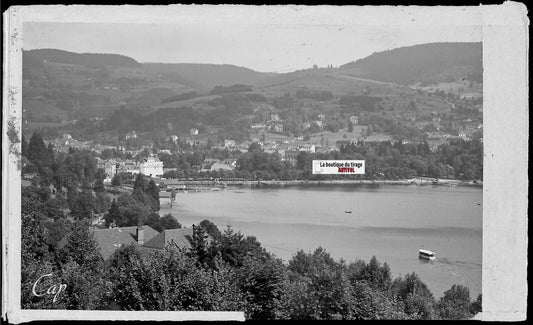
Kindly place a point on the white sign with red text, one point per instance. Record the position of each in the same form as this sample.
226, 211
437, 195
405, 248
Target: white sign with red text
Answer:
338, 167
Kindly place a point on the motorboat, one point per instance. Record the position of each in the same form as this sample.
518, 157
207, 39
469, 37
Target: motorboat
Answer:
426, 254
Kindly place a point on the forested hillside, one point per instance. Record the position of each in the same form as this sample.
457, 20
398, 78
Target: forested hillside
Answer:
206, 76
435, 62
93, 60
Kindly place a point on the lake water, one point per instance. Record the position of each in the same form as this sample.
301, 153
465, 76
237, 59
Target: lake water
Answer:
390, 221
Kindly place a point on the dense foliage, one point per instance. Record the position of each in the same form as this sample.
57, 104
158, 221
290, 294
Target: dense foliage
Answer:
227, 272
426, 62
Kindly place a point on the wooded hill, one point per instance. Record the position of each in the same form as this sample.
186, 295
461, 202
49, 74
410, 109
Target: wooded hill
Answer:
61, 85
205, 77
93, 60
433, 62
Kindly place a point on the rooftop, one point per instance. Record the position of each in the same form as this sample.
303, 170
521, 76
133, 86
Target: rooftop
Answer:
177, 238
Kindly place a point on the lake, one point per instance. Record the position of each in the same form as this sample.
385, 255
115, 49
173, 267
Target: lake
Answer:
389, 221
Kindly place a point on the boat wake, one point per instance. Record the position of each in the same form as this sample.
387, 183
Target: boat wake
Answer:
455, 261
457, 268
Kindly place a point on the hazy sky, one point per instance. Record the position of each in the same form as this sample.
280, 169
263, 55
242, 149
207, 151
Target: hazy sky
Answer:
262, 47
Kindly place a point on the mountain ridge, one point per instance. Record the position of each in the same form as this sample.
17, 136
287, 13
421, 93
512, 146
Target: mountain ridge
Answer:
86, 59
430, 62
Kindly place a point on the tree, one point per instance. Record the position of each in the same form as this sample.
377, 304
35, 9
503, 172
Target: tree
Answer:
143, 198
83, 206
455, 304
99, 181
262, 282
169, 222
24, 147
37, 151
113, 214
350, 126
33, 244
412, 105
153, 191
82, 248
211, 229
116, 180
86, 288
375, 275
476, 306
140, 183
125, 273
52, 208
199, 246
159, 223
417, 299
127, 211
254, 147
102, 202
234, 247
170, 281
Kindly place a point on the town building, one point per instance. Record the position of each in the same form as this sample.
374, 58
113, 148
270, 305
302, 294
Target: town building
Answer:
219, 166
109, 166
274, 117
173, 138
131, 135
210, 160
229, 143
290, 156
307, 148
128, 166
345, 142
194, 131
278, 128
151, 166
232, 163
111, 239
145, 239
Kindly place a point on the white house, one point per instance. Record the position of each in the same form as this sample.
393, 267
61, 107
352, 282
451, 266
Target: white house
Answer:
319, 124
131, 135
259, 126
194, 131
151, 166
229, 143
173, 138
308, 148
278, 128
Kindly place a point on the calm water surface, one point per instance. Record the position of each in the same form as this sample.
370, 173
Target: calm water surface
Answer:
391, 222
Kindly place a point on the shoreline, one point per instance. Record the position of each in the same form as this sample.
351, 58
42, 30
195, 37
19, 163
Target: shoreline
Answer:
413, 181
214, 184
